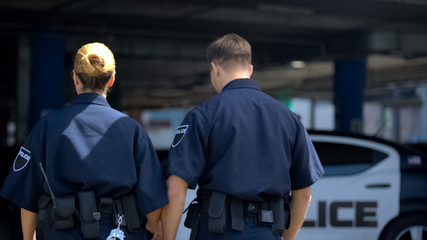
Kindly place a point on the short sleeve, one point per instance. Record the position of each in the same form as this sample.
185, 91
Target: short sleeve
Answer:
151, 192
187, 155
24, 184
306, 168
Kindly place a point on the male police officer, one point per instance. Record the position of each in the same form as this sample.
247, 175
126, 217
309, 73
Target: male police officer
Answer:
246, 151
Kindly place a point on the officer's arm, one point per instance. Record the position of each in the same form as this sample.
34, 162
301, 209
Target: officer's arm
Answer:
28, 222
171, 214
300, 201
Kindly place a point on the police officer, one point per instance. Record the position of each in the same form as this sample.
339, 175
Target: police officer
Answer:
246, 151
102, 172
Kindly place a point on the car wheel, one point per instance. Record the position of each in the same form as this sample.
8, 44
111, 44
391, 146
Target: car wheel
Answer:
410, 227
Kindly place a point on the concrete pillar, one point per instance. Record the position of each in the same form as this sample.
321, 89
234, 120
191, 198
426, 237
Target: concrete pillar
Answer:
349, 78
47, 74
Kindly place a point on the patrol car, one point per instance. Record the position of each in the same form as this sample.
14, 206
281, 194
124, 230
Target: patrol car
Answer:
372, 190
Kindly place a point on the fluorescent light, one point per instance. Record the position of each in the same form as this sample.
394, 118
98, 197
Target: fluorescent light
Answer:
298, 64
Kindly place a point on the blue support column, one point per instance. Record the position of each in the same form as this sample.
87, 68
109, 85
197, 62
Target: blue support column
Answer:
349, 78
47, 75
423, 94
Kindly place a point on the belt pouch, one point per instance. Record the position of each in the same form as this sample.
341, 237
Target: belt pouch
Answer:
44, 216
192, 213
130, 212
62, 213
278, 226
89, 216
217, 212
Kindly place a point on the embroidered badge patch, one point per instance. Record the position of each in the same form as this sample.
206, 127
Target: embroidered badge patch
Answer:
21, 159
179, 135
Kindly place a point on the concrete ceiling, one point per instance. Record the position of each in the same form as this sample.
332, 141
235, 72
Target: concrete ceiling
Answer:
160, 45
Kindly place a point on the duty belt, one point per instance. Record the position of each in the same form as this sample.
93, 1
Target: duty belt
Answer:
250, 208
88, 213
274, 213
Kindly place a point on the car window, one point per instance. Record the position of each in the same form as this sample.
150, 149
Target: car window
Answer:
345, 159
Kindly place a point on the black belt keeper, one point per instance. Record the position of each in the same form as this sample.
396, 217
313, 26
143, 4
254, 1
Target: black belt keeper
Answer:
106, 206
236, 211
89, 216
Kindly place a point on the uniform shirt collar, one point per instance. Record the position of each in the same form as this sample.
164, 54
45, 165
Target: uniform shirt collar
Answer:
241, 83
91, 98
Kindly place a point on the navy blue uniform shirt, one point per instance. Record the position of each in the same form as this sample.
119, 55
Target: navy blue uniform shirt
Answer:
244, 143
87, 146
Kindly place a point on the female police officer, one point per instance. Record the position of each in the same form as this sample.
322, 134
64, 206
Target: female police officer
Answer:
100, 165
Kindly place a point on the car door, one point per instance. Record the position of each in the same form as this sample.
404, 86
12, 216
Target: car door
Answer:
359, 192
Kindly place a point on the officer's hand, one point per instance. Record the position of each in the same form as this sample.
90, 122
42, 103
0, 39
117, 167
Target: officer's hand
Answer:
157, 236
155, 229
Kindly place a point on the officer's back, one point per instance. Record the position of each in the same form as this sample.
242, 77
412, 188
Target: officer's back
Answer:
87, 171
250, 142
246, 151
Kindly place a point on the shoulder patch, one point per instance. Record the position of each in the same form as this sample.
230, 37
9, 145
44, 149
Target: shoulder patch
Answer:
179, 135
21, 159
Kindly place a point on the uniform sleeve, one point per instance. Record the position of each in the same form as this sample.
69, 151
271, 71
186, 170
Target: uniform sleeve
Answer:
24, 184
306, 168
187, 156
151, 192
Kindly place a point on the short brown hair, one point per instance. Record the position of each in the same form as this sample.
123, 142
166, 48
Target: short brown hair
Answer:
230, 50
95, 65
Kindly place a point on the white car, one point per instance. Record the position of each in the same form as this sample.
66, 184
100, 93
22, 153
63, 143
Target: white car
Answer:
372, 190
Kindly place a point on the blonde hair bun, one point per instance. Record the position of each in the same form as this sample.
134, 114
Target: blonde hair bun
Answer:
94, 59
